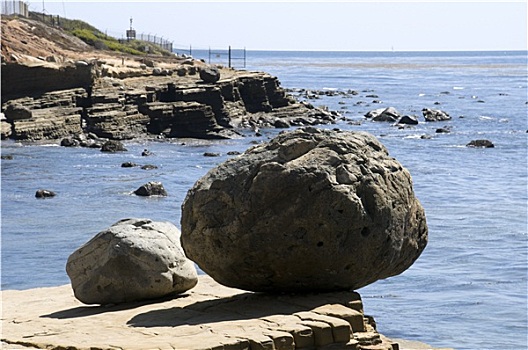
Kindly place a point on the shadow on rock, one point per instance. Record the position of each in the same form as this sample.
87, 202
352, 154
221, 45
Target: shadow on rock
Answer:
243, 306
85, 311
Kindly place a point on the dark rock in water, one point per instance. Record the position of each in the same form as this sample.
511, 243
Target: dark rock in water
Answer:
389, 114
408, 120
426, 137
146, 153
435, 115
211, 154
281, 124
209, 75
312, 210
443, 131
149, 167
6, 157
112, 146
481, 144
233, 153
132, 260
128, 165
45, 194
152, 188
70, 141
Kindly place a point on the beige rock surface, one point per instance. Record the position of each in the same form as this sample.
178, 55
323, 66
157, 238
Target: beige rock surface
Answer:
210, 316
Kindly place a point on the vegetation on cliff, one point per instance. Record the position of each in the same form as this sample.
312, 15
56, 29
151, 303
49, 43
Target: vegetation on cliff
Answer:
96, 38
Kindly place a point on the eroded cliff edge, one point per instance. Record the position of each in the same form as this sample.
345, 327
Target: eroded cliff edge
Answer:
51, 90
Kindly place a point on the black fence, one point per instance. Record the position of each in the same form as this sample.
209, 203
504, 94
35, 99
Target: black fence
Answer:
156, 40
233, 58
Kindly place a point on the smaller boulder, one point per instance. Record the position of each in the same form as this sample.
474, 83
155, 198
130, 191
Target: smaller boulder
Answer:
374, 113
69, 141
281, 124
408, 120
128, 165
435, 115
389, 114
153, 188
133, 260
209, 75
181, 71
113, 146
444, 130
148, 167
44, 194
481, 144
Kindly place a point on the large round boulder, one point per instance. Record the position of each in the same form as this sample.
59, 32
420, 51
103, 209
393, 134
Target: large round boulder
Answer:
312, 210
134, 259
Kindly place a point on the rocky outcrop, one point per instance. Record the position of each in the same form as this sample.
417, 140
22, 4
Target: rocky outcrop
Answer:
45, 194
52, 115
389, 114
134, 259
20, 80
108, 115
5, 127
152, 188
311, 210
168, 108
480, 144
435, 115
408, 120
112, 146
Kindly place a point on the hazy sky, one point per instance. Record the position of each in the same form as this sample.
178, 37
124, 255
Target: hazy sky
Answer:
343, 26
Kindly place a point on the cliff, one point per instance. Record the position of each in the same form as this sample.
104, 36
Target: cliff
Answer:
54, 86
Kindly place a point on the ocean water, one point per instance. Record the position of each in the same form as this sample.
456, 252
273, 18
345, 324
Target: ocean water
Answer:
468, 290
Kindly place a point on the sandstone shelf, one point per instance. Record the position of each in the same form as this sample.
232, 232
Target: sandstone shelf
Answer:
210, 316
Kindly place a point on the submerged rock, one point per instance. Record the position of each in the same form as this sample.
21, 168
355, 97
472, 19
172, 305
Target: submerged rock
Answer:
481, 144
134, 259
45, 194
152, 188
312, 210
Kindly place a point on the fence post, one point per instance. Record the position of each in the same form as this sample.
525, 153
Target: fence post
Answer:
229, 55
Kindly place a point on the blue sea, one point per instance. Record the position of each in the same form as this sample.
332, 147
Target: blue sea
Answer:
468, 290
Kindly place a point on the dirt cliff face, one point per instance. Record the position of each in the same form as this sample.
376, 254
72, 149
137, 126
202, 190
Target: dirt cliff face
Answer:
24, 40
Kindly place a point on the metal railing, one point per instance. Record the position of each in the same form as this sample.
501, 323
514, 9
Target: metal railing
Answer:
156, 40
232, 55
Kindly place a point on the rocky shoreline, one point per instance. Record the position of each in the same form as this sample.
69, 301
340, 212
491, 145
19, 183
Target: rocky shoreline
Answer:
120, 97
120, 105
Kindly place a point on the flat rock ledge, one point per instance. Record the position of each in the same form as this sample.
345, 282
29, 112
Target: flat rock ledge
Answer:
210, 316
